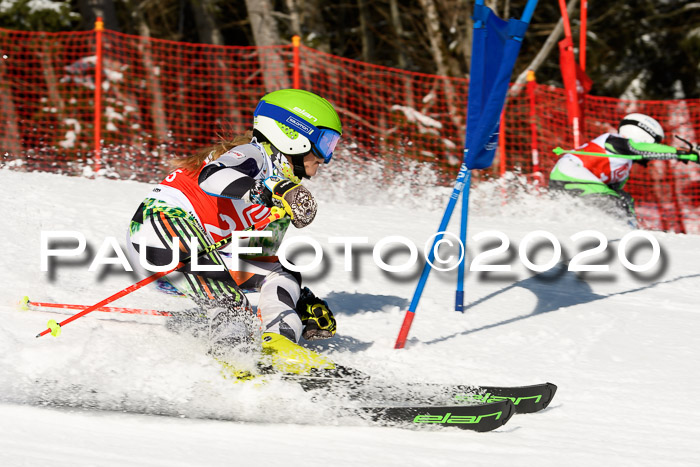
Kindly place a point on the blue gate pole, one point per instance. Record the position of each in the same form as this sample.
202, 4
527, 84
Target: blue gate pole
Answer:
464, 173
459, 295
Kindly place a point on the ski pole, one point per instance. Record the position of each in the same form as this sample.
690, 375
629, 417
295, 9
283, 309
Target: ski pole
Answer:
635, 157
55, 328
26, 304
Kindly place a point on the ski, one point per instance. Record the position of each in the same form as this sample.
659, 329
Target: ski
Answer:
481, 417
525, 399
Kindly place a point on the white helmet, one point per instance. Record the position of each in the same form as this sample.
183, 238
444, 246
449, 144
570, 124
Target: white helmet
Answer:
641, 128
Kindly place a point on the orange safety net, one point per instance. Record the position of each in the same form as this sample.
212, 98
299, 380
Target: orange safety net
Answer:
162, 99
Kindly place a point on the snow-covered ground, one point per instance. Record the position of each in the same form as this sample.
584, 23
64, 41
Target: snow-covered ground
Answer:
622, 347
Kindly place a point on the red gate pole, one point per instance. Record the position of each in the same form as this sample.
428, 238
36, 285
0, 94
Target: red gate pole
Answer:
99, 27
582, 35
296, 41
568, 70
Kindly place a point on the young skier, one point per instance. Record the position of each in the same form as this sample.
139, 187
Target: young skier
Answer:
230, 187
601, 179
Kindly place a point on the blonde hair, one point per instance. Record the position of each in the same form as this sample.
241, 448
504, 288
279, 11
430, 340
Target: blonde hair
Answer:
211, 153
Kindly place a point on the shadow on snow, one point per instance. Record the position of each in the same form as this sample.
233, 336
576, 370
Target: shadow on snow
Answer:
565, 291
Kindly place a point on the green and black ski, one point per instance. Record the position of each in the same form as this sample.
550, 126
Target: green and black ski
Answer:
480, 417
525, 399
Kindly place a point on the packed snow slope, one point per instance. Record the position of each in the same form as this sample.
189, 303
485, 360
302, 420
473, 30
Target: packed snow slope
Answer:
118, 389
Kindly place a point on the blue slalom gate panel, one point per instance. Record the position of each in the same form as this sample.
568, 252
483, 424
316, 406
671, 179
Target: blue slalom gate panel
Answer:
495, 48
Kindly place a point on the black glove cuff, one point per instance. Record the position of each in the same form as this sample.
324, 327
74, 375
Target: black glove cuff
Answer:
282, 187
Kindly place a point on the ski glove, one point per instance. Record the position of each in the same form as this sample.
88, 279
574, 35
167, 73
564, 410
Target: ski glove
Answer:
317, 318
295, 199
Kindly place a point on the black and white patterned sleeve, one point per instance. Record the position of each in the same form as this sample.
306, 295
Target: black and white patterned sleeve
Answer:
234, 173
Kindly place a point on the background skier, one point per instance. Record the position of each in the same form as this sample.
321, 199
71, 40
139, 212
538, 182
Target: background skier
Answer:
600, 179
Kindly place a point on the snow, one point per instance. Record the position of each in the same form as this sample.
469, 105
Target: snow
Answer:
622, 347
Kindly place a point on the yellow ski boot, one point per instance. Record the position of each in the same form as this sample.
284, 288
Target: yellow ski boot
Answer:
285, 356
230, 372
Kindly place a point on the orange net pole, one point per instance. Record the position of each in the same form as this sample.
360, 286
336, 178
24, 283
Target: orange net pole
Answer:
296, 41
97, 122
533, 123
502, 144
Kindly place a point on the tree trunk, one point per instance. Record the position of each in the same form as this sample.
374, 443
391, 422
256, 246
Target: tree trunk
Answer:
47, 68
365, 31
209, 33
91, 9
157, 106
398, 32
266, 33
294, 16
9, 139
402, 60
437, 47
311, 14
493, 4
207, 29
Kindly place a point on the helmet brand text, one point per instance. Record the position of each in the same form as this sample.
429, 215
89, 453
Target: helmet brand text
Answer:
300, 125
305, 113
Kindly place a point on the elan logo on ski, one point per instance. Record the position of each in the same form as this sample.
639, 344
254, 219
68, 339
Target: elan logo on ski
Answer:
455, 419
488, 397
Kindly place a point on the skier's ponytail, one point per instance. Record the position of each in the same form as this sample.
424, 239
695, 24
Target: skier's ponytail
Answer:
195, 161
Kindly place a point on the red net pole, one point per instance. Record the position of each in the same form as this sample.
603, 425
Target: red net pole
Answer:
533, 124
502, 143
296, 40
99, 27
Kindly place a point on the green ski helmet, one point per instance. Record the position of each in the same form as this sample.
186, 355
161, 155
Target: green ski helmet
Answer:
295, 122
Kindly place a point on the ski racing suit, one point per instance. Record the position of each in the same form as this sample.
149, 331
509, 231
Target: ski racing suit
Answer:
208, 205
598, 179
601, 179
